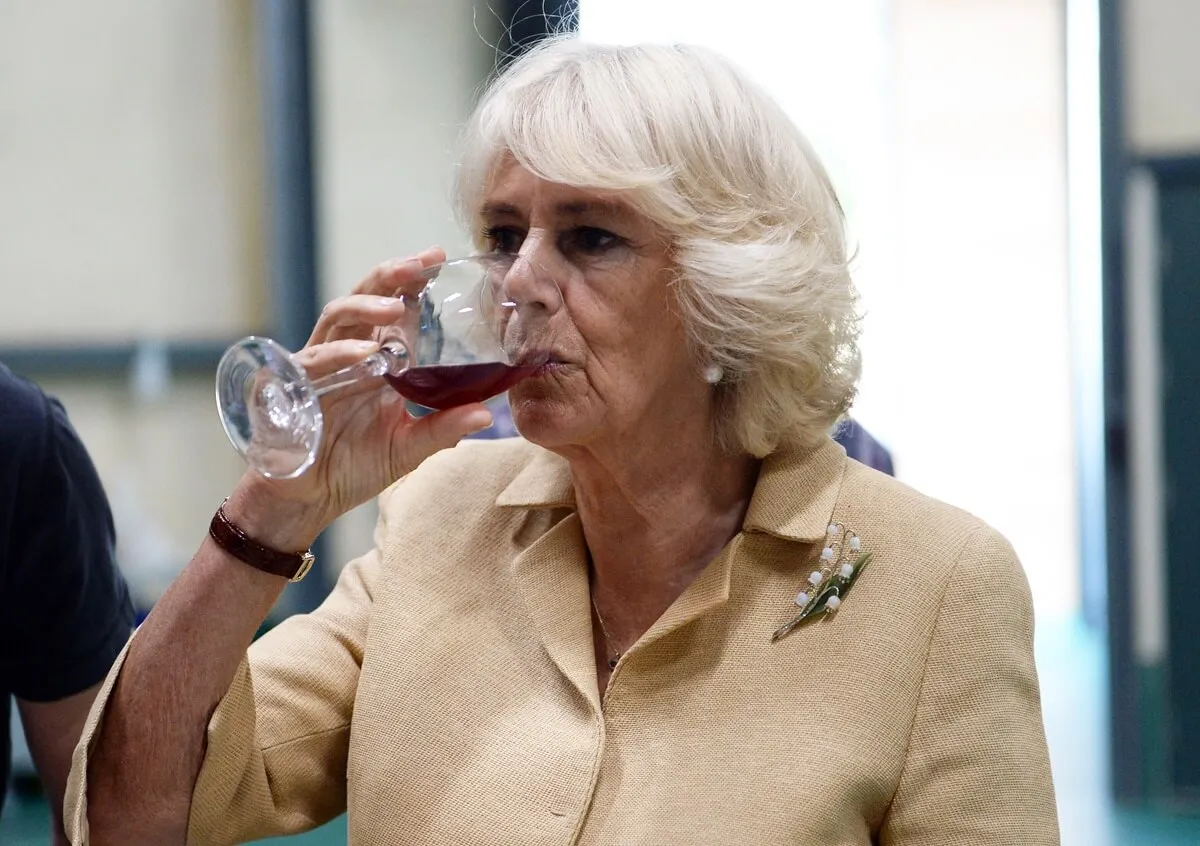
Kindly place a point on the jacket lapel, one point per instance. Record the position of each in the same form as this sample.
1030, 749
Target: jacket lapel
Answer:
551, 575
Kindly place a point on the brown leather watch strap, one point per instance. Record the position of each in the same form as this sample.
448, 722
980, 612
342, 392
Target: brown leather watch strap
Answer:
292, 566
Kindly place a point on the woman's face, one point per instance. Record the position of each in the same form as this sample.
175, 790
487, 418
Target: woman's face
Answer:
619, 362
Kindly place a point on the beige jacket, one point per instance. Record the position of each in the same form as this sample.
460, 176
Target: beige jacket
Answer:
445, 693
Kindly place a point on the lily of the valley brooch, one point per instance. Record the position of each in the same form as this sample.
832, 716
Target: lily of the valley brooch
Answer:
842, 560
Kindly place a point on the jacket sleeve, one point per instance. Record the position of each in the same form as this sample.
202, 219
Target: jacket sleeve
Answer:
276, 746
977, 770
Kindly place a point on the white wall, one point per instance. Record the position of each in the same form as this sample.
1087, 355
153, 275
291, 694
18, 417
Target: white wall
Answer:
982, 335
942, 123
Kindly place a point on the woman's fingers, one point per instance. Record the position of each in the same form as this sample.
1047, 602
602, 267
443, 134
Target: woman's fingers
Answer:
355, 316
375, 301
401, 276
322, 359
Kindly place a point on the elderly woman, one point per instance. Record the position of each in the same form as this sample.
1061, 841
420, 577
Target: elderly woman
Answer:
592, 634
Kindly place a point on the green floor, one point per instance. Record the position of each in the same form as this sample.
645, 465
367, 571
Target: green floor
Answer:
25, 823
1071, 668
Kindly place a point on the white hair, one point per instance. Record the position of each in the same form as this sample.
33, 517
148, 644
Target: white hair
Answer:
756, 230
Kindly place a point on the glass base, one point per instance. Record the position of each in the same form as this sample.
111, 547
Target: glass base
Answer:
268, 408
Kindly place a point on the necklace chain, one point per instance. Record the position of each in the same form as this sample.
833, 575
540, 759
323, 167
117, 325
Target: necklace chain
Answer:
614, 655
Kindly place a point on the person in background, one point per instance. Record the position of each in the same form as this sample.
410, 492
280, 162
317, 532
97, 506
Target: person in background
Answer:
65, 611
863, 448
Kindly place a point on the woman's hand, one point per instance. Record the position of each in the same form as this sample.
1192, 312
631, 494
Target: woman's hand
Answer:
369, 439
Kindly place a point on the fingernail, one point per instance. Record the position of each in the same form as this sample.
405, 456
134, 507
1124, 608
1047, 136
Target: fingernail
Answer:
479, 420
388, 302
366, 346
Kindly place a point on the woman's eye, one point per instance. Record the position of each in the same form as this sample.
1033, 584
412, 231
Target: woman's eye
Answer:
590, 240
503, 239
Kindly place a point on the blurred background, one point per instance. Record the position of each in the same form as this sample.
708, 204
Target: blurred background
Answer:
1022, 182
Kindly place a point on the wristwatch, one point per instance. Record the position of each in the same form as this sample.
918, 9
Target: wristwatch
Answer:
292, 566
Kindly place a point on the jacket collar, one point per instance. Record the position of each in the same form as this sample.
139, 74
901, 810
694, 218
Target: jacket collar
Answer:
544, 482
796, 492
793, 499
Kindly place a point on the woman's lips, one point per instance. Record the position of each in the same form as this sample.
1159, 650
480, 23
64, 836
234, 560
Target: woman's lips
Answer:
541, 360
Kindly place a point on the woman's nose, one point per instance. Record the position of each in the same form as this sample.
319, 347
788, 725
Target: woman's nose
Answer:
530, 282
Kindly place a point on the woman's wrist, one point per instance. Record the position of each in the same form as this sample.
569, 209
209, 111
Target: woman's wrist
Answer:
257, 509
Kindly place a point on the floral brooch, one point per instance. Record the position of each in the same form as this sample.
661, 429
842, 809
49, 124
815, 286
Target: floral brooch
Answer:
842, 560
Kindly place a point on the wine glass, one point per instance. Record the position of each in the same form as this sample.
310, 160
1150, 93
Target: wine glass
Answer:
464, 338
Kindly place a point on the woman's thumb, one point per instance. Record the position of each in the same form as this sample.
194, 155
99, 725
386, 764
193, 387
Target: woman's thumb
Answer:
443, 429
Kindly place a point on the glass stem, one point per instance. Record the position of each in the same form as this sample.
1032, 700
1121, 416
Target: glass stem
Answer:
390, 359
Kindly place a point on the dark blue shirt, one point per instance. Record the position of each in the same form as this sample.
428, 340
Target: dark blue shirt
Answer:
65, 611
862, 447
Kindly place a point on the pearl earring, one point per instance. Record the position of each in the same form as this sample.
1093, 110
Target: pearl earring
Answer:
713, 374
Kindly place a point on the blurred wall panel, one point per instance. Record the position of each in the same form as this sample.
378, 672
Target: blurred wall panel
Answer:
164, 462
394, 83
1151, 97
129, 160
130, 212
1162, 75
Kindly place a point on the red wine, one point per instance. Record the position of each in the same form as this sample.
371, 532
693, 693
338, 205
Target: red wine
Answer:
443, 386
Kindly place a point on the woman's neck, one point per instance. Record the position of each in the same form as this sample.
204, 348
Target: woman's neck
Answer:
653, 518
